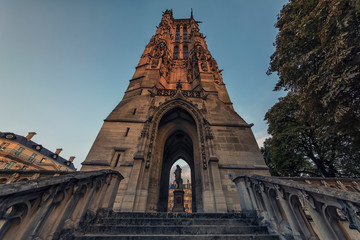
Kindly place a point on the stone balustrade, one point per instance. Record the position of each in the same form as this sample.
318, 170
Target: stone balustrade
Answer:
11, 176
45, 208
297, 209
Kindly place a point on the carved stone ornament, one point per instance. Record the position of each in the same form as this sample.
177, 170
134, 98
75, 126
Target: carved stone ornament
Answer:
280, 191
350, 211
200, 52
261, 187
307, 199
204, 66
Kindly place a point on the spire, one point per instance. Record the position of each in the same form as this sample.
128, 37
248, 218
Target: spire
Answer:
192, 16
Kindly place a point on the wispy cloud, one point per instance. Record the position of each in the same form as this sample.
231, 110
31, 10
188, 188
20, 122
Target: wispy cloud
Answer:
260, 138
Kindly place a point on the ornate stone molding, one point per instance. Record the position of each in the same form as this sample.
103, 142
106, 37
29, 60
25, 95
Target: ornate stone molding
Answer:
185, 93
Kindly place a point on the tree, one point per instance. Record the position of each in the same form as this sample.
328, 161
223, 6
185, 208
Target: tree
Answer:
302, 146
317, 59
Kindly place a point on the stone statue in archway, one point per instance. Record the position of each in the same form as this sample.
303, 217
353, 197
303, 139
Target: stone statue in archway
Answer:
178, 192
178, 179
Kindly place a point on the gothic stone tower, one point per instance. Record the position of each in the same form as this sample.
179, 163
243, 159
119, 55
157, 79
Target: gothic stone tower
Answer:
176, 106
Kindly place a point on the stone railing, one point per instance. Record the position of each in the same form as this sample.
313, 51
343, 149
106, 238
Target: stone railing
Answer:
11, 176
47, 207
296, 210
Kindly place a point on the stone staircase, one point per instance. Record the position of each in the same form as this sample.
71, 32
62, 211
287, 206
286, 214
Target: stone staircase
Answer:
116, 225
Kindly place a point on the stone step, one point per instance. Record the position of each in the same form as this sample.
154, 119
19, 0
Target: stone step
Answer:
177, 237
175, 230
176, 221
178, 215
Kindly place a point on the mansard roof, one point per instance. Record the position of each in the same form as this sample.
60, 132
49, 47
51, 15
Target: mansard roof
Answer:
31, 144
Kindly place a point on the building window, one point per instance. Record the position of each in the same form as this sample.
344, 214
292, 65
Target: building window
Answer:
10, 165
116, 158
42, 160
127, 131
19, 151
177, 35
185, 52
184, 33
3, 146
134, 111
32, 157
176, 52
24, 168
59, 166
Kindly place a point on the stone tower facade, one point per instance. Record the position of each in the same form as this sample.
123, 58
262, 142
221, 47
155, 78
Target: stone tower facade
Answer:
176, 107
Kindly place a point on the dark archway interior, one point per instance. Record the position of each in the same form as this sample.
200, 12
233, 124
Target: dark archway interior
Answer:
178, 145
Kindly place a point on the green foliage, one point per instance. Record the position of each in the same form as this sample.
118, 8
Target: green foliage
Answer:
317, 59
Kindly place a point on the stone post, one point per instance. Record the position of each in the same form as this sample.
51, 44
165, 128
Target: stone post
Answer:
220, 202
244, 197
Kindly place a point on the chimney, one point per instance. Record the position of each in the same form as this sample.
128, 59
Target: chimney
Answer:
71, 159
58, 151
30, 135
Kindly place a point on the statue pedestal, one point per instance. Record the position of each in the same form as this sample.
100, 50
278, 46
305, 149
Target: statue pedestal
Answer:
178, 201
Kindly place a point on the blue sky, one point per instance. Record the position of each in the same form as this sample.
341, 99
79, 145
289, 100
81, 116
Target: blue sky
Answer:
64, 65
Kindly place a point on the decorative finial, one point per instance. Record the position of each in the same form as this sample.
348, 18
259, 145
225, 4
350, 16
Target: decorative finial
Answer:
191, 14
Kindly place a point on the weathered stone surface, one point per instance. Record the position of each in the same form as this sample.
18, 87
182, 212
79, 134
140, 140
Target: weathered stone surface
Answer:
176, 106
175, 225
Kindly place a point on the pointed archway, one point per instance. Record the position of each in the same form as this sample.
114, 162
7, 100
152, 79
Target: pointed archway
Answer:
177, 137
178, 145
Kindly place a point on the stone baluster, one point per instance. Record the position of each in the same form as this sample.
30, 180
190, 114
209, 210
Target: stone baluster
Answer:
266, 200
251, 192
315, 211
282, 196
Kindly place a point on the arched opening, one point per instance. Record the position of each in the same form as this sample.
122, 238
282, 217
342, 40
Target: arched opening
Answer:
186, 177
177, 128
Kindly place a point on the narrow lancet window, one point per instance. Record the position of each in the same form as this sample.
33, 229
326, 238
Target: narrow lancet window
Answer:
185, 52
177, 35
176, 52
184, 33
